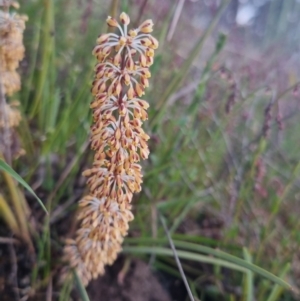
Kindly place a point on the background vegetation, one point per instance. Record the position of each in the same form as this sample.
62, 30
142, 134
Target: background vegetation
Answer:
224, 166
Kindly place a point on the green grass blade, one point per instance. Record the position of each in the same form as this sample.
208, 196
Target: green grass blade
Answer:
278, 290
244, 265
81, 288
184, 255
236, 260
248, 285
177, 259
5, 167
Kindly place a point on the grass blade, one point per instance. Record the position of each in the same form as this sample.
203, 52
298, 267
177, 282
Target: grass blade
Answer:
278, 290
177, 259
236, 261
81, 288
8, 216
248, 285
184, 255
5, 167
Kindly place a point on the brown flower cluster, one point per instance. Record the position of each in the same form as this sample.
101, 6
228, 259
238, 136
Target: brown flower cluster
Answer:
12, 51
119, 142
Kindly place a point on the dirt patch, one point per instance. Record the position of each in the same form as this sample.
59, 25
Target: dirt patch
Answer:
139, 284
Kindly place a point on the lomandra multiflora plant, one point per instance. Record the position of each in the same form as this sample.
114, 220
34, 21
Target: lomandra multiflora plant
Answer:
119, 142
12, 51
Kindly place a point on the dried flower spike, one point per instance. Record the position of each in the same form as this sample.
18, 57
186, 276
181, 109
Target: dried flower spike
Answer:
119, 142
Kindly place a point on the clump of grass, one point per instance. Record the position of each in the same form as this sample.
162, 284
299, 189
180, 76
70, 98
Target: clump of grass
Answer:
119, 142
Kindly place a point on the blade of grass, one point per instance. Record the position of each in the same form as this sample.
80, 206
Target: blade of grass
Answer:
177, 258
184, 255
248, 285
66, 290
5, 167
28, 81
42, 246
20, 208
8, 216
278, 290
47, 49
241, 263
81, 288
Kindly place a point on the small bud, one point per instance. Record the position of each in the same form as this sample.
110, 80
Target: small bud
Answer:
144, 154
150, 52
149, 61
110, 73
106, 51
111, 22
154, 43
117, 59
132, 33
127, 79
144, 115
144, 82
143, 60
97, 49
137, 112
94, 104
146, 42
146, 73
102, 88
122, 41
139, 90
130, 93
124, 18
128, 133
144, 104
101, 97
103, 38
146, 26
122, 109
130, 64
118, 89
118, 134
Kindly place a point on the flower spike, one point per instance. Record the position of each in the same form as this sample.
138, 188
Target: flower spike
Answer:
119, 142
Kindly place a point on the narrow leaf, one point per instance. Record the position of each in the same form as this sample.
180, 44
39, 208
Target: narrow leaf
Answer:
81, 288
248, 285
238, 262
5, 167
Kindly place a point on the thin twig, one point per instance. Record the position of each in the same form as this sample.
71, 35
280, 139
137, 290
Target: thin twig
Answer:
175, 19
177, 259
13, 277
49, 290
8, 240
